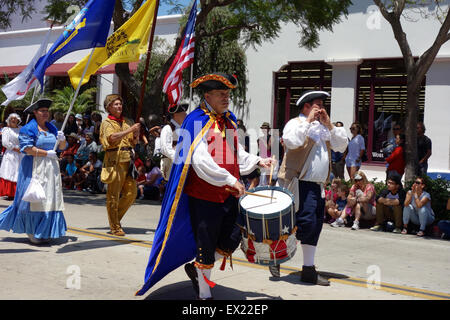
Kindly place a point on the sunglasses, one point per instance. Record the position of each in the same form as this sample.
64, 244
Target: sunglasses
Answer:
396, 128
418, 182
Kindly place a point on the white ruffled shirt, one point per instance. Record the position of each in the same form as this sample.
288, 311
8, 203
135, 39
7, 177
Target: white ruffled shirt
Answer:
316, 166
207, 169
166, 139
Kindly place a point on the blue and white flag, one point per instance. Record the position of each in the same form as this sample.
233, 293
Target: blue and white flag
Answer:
18, 87
89, 29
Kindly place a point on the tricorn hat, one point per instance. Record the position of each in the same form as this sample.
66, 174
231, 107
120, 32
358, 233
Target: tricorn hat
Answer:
42, 103
215, 81
311, 95
175, 108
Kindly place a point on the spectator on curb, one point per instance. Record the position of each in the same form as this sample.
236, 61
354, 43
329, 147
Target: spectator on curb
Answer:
423, 149
355, 150
341, 204
337, 159
417, 207
396, 161
91, 172
140, 182
390, 204
360, 201
87, 146
331, 196
71, 125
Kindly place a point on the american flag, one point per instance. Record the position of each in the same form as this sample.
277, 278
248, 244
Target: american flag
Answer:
185, 57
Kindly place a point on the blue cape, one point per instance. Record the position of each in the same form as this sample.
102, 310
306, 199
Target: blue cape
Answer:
174, 243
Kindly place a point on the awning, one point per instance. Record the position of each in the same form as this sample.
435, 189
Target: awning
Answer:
60, 69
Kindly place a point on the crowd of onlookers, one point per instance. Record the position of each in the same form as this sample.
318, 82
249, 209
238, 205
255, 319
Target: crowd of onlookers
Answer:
352, 203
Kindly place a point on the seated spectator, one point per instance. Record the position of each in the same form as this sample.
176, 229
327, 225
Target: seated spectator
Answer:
78, 176
71, 125
417, 208
68, 174
140, 182
331, 196
86, 147
390, 204
360, 201
396, 161
340, 205
91, 172
152, 186
444, 227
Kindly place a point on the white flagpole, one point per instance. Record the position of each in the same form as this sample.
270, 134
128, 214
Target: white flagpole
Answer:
190, 88
75, 96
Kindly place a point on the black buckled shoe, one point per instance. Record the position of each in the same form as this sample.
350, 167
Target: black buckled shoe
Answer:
275, 270
310, 275
191, 272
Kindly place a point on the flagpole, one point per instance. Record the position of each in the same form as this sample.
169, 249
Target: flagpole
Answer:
32, 100
149, 53
75, 96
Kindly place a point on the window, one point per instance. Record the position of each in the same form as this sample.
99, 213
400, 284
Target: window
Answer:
291, 81
381, 103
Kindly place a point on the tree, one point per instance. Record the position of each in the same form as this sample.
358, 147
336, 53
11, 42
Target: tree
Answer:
63, 97
416, 69
250, 22
232, 23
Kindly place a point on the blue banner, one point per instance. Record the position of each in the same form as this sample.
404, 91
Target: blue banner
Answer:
89, 29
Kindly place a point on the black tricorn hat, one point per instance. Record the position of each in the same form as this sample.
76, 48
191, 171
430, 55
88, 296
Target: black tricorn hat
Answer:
175, 108
311, 95
215, 81
42, 103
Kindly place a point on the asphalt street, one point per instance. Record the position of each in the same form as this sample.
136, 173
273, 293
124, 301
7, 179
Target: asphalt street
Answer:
89, 264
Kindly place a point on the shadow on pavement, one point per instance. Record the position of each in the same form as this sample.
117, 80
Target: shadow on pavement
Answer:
57, 241
184, 291
98, 199
127, 230
294, 277
89, 245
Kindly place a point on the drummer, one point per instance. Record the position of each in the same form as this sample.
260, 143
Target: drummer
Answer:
213, 208
306, 167
208, 199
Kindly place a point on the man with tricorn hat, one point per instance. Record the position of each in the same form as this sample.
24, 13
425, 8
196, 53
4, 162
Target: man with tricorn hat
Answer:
200, 206
169, 137
118, 138
306, 167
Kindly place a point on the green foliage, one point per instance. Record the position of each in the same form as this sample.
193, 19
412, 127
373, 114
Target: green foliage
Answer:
24, 8
221, 53
161, 51
439, 190
63, 97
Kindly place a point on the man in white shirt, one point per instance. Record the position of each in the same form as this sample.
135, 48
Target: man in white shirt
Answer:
217, 163
169, 137
308, 140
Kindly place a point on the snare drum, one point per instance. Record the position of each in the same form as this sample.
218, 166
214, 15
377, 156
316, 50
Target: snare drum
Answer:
268, 225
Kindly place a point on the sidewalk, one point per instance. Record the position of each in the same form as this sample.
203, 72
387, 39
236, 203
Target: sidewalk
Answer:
90, 264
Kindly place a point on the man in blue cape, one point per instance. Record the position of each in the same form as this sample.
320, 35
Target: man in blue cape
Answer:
200, 206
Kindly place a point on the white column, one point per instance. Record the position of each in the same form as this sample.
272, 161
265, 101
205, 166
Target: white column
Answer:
106, 84
343, 90
437, 113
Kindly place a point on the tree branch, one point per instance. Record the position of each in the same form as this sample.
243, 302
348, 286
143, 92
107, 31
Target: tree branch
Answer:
427, 58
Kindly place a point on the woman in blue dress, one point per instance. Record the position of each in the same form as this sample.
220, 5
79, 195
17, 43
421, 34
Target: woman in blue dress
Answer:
40, 220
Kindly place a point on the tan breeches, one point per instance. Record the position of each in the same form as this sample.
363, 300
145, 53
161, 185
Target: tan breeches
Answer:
120, 196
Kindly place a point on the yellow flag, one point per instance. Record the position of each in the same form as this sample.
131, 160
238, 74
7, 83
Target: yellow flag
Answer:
126, 44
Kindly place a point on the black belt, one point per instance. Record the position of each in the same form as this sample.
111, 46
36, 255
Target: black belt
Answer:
121, 149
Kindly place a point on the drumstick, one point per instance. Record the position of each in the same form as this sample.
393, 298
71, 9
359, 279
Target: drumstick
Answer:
271, 170
251, 194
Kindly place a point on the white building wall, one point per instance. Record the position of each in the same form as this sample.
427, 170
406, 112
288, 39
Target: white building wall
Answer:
437, 114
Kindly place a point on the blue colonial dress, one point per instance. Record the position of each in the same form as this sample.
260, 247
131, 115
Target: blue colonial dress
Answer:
43, 219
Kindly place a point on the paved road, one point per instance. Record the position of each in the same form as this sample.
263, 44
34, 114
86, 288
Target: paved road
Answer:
90, 264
